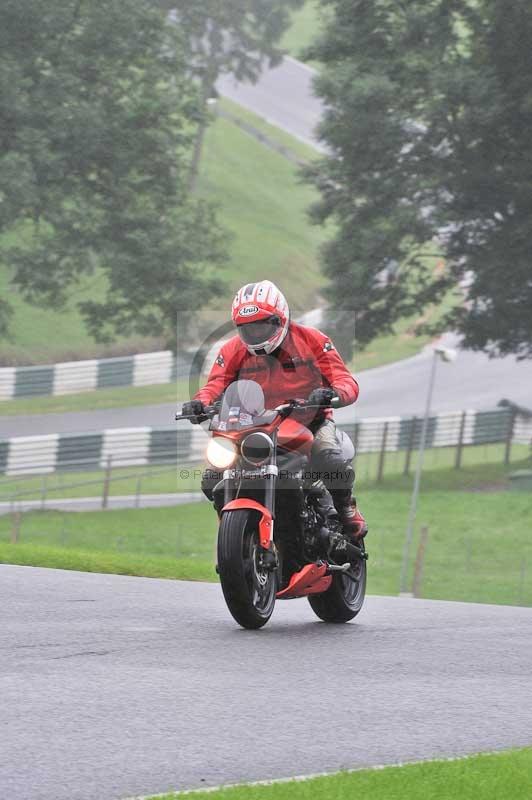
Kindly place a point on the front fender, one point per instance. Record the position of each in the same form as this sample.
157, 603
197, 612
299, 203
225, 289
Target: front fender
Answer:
265, 523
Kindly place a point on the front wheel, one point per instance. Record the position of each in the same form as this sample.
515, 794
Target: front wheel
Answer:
345, 596
249, 587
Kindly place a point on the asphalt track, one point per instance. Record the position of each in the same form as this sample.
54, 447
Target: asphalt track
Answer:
114, 686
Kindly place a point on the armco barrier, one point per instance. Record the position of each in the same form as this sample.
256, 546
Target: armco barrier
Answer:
70, 377
25, 455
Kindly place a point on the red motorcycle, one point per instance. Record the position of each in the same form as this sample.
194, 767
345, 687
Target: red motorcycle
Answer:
263, 456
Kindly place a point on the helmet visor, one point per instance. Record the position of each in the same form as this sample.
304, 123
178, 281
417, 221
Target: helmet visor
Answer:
259, 332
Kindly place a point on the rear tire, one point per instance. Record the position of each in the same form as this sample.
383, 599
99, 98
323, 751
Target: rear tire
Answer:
249, 591
345, 597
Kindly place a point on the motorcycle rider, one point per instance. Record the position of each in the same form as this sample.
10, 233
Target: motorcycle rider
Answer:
288, 360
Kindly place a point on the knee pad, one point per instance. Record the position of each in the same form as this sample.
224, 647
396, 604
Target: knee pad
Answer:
337, 474
327, 460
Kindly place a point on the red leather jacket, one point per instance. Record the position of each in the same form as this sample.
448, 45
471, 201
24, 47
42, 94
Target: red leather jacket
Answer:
305, 361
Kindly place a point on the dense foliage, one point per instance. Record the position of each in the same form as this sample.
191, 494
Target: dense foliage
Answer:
236, 37
95, 147
429, 113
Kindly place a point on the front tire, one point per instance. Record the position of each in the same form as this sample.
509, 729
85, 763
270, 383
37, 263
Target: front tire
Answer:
345, 596
249, 590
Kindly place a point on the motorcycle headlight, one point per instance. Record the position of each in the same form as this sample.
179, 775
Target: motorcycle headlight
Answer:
256, 448
221, 453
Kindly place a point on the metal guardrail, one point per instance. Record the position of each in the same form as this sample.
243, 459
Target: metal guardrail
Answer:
70, 377
40, 455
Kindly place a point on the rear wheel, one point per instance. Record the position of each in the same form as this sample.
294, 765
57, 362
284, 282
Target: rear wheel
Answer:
249, 587
345, 597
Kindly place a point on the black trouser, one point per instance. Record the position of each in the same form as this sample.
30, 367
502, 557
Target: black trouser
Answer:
327, 459
209, 479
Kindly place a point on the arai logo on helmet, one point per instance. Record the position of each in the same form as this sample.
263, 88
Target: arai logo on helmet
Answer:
248, 311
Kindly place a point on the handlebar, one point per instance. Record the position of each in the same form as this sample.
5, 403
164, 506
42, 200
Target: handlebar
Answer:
208, 413
297, 405
285, 409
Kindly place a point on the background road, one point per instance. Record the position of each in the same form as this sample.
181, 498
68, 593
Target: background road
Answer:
114, 686
283, 96
472, 382
95, 503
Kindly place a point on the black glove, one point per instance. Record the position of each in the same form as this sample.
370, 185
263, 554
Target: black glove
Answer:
194, 408
321, 397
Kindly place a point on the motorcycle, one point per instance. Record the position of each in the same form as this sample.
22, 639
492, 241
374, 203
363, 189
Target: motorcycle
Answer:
263, 456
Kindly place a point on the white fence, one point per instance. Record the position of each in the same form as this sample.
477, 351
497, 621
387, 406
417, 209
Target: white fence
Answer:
70, 377
180, 444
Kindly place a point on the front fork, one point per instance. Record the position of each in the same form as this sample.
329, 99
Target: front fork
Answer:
269, 474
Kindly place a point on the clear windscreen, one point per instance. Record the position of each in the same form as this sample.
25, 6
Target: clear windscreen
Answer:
242, 403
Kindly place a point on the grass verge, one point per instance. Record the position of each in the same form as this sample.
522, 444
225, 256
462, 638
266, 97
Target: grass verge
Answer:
41, 335
186, 569
474, 552
387, 349
172, 542
272, 133
483, 469
118, 397
264, 204
500, 776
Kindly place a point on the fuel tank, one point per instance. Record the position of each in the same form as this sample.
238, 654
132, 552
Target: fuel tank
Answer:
294, 436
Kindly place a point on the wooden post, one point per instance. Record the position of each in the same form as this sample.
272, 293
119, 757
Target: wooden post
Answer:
356, 433
460, 445
44, 487
509, 437
410, 446
420, 561
107, 482
15, 527
380, 470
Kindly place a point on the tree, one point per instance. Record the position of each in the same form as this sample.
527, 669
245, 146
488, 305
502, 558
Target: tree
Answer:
234, 37
95, 143
429, 109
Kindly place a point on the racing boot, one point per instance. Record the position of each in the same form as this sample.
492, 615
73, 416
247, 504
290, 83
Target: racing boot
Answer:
324, 501
354, 524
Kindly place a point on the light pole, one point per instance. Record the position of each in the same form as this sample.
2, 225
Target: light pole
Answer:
446, 354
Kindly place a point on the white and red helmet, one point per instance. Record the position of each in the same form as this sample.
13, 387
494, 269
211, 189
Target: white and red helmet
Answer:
261, 315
